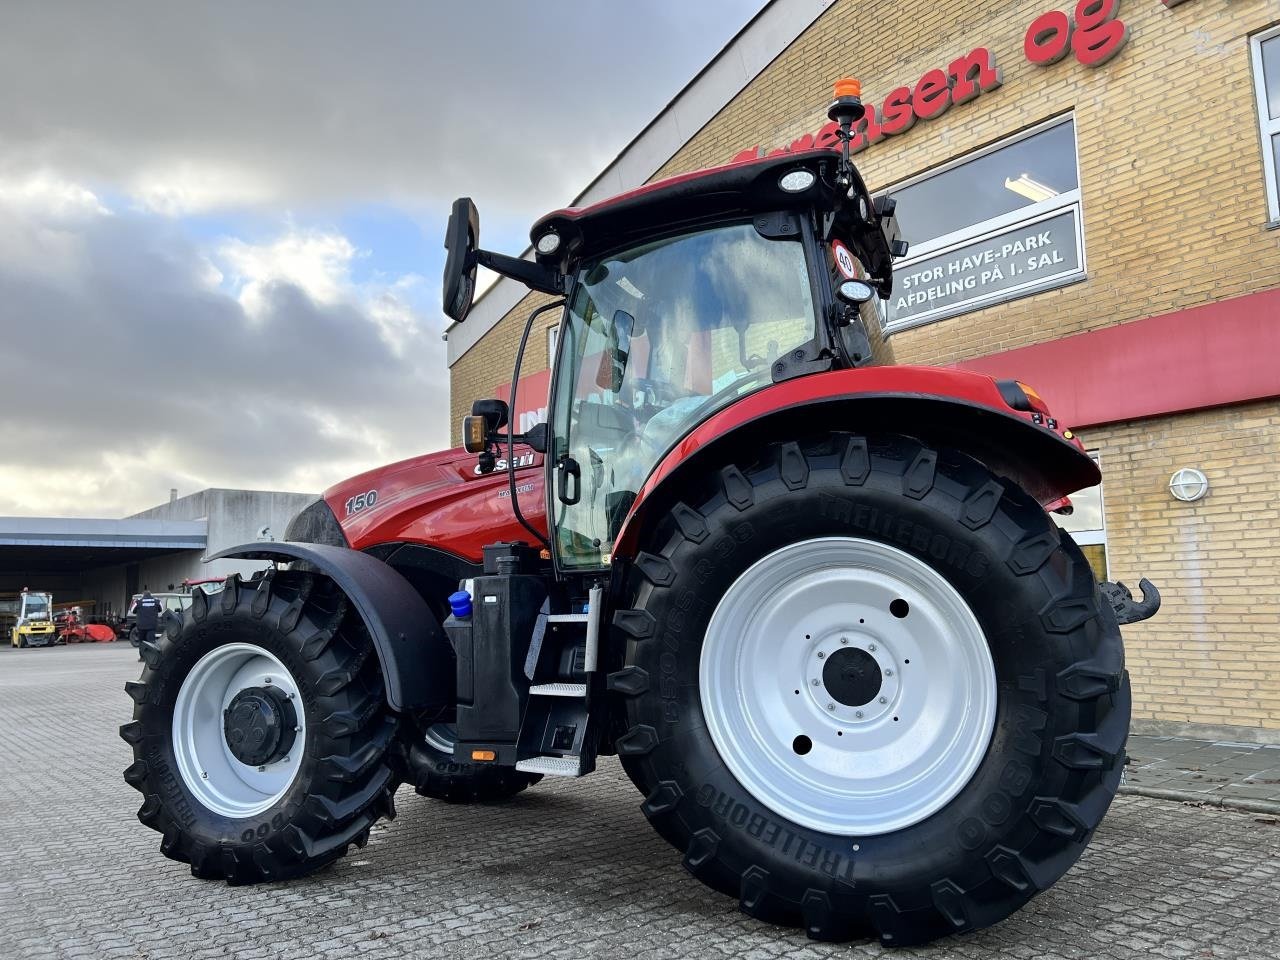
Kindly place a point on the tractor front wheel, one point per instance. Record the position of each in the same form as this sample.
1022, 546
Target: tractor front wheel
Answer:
869, 689
261, 732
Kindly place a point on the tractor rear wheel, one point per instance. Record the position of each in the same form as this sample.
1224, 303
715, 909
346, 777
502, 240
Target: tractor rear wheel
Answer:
261, 732
870, 689
436, 773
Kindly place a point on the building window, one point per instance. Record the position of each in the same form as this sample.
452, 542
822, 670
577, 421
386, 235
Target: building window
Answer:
1087, 525
993, 226
1266, 78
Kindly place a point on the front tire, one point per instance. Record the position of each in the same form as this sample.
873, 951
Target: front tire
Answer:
260, 731
956, 764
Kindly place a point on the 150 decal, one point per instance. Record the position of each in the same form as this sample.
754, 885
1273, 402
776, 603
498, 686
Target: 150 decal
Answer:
361, 502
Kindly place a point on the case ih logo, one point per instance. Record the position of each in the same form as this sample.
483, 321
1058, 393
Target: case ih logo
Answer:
1092, 33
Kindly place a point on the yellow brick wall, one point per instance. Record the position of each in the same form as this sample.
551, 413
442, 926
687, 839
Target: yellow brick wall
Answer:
1174, 215
1212, 654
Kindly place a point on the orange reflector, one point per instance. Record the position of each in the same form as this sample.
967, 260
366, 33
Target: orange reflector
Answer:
483, 755
848, 87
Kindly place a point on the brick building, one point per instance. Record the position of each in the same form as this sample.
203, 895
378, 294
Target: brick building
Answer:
1091, 194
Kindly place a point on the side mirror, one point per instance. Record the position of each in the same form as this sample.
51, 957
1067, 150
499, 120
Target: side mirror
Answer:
461, 237
487, 418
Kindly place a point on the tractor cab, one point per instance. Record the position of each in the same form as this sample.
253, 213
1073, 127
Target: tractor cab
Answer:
680, 298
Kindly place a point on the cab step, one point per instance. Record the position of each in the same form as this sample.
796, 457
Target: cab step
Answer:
556, 766
558, 690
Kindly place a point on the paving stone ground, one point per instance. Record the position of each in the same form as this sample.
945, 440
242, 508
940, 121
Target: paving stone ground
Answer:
570, 869
1215, 771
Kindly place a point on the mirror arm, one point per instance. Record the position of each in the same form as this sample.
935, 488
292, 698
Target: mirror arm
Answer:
533, 275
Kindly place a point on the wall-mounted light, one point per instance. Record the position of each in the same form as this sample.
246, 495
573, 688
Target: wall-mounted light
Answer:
1188, 485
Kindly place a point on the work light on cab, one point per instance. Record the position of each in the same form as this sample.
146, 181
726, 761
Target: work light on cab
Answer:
548, 243
797, 181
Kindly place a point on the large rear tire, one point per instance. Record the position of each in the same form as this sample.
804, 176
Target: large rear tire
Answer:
260, 731
870, 689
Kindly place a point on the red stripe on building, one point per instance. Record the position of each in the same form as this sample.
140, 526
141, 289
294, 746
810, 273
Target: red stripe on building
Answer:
1207, 356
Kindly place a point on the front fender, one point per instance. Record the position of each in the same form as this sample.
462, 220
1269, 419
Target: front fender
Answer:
938, 406
411, 646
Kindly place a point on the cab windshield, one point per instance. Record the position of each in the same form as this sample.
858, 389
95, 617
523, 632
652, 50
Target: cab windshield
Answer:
655, 339
36, 607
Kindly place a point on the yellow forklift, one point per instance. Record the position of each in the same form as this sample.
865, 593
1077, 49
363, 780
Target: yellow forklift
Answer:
30, 618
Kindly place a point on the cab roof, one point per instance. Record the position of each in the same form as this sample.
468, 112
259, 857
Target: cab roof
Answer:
742, 188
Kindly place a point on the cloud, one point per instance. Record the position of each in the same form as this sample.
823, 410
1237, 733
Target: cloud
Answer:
192, 289
287, 105
186, 188
316, 262
126, 372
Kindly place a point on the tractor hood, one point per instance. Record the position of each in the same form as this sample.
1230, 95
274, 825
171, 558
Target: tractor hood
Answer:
439, 500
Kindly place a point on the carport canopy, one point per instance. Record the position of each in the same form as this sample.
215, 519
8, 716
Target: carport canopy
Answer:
69, 544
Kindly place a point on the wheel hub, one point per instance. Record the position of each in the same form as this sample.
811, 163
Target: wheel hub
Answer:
852, 676
258, 725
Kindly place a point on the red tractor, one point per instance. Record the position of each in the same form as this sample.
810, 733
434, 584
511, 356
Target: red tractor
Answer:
814, 603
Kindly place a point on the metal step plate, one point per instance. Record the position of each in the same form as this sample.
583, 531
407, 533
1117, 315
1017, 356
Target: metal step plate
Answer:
567, 618
552, 766
559, 689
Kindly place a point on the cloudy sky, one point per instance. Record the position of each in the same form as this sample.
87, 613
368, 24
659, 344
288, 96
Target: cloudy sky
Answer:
220, 225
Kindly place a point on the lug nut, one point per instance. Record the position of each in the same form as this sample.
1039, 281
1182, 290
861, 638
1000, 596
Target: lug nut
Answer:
821, 654
204, 775
815, 681
266, 680
858, 714
290, 695
871, 647
888, 673
298, 728
262, 769
831, 706
884, 699
846, 640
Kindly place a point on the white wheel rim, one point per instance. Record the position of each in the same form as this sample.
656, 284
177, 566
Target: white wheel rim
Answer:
219, 780
874, 767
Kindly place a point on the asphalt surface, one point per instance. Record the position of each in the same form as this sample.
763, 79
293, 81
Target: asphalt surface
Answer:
570, 869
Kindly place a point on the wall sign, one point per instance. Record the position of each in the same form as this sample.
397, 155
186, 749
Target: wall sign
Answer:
1001, 266
1093, 34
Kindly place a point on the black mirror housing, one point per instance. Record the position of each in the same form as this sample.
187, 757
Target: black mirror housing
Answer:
495, 413
461, 238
